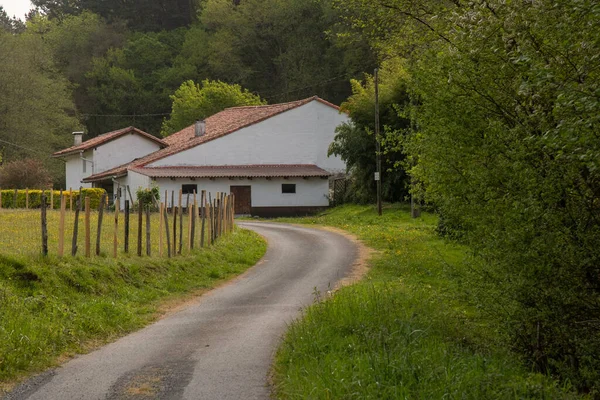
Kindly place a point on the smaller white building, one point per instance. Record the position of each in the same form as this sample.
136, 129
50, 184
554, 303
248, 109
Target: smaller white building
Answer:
273, 158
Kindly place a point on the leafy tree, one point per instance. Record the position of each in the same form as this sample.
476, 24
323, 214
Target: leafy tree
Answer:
355, 142
36, 110
192, 102
23, 174
281, 48
506, 105
138, 15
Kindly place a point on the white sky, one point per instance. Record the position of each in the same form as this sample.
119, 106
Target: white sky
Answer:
16, 8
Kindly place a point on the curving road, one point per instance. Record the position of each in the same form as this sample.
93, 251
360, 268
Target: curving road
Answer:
221, 346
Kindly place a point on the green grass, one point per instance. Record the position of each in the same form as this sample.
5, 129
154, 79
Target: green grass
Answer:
409, 330
59, 306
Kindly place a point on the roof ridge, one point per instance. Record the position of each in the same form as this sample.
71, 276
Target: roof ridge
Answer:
307, 100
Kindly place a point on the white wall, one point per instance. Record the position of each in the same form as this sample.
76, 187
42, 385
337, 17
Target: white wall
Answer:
122, 150
74, 170
298, 136
310, 192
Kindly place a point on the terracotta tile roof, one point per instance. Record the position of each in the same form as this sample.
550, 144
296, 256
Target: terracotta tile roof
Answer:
217, 125
224, 123
117, 172
106, 137
235, 171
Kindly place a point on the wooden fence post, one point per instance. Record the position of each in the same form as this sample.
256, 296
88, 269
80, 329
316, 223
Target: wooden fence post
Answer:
160, 228
100, 215
51, 198
116, 235
87, 227
190, 212
61, 225
76, 226
175, 229
203, 216
148, 249
194, 217
167, 229
180, 223
126, 227
44, 226
71, 199
140, 226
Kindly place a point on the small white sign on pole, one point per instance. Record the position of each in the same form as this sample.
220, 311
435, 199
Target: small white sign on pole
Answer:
376, 176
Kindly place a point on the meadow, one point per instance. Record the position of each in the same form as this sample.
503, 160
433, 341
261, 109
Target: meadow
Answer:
53, 307
409, 330
21, 232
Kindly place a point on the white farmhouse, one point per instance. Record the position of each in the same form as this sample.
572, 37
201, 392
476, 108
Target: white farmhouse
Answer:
273, 158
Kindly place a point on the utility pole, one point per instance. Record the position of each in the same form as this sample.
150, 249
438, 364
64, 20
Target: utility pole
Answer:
377, 144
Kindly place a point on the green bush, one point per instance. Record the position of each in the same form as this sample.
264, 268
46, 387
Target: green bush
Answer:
8, 197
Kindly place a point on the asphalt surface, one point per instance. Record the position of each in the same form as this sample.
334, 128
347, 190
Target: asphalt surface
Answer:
220, 346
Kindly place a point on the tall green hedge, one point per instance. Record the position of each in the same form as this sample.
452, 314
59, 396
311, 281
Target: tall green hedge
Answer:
8, 197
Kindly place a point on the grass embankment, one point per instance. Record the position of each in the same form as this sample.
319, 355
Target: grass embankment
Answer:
54, 307
408, 330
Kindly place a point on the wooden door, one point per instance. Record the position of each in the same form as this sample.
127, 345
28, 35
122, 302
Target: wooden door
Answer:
243, 199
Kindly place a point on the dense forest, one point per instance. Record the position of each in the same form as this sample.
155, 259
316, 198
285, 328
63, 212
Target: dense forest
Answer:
490, 109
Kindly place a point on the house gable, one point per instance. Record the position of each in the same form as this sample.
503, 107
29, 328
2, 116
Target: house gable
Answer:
300, 135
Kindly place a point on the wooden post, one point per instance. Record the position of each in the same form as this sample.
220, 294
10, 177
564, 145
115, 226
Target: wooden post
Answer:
44, 226
100, 215
194, 217
116, 236
61, 225
160, 228
180, 223
173, 203
209, 218
174, 230
166, 199
167, 229
203, 216
148, 243
140, 226
51, 198
27, 199
126, 227
87, 227
71, 199
190, 213
130, 196
76, 226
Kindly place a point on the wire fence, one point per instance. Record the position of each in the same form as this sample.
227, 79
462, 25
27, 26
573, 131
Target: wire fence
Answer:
141, 229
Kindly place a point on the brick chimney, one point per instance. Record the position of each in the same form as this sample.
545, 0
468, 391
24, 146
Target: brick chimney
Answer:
77, 138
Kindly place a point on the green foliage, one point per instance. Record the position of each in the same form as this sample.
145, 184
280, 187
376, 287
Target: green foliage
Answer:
36, 110
355, 142
506, 104
148, 196
409, 330
193, 102
20, 174
35, 197
52, 306
281, 49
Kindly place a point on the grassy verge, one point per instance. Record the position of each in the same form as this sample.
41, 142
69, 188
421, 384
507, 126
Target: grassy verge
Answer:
54, 307
409, 330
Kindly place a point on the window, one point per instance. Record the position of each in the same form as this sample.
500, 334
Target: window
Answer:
288, 188
189, 189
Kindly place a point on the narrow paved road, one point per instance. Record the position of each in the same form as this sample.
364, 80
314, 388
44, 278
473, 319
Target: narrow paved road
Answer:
221, 346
